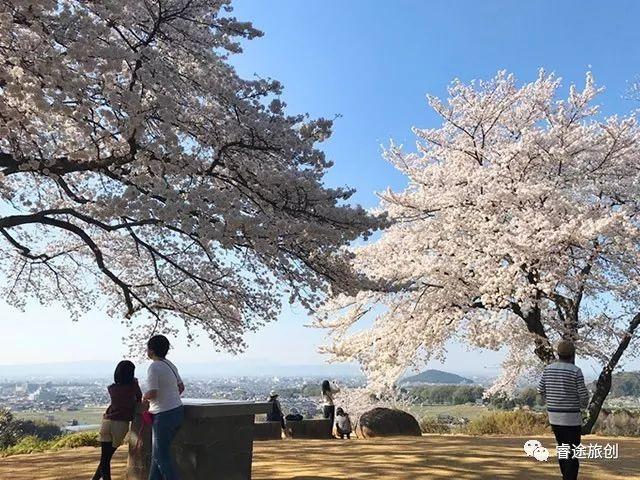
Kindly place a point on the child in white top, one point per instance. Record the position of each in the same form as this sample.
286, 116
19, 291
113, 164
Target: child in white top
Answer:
343, 423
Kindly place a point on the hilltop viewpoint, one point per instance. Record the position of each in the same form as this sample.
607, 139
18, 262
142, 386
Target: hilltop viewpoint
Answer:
432, 457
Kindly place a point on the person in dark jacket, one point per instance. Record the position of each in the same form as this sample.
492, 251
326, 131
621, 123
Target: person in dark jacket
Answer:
563, 390
275, 413
125, 395
294, 415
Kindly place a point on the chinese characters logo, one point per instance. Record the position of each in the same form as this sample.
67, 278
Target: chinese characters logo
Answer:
564, 451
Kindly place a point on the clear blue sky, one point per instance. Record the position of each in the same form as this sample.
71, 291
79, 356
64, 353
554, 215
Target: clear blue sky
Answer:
373, 62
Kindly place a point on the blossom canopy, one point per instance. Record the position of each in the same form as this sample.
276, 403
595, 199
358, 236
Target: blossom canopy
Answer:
520, 226
135, 163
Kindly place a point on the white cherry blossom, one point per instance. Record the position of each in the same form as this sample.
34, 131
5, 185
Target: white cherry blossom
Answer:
519, 227
136, 164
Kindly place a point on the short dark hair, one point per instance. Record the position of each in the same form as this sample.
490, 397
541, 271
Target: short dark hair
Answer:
124, 373
159, 344
566, 358
566, 350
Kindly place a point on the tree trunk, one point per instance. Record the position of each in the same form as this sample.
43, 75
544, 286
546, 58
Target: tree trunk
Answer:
543, 348
603, 386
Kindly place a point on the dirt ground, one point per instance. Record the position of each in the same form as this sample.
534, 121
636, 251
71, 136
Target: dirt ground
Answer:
431, 457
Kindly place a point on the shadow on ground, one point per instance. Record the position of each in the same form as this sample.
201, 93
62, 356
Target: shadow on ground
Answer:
315, 478
431, 457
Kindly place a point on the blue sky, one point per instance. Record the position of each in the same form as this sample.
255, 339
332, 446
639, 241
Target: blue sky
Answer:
373, 63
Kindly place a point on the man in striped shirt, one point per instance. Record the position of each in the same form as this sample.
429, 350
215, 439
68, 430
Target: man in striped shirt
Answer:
563, 390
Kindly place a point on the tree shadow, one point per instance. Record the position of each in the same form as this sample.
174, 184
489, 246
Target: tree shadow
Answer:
315, 478
429, 457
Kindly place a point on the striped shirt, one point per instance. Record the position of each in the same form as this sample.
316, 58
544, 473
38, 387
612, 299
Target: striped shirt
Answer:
563, 390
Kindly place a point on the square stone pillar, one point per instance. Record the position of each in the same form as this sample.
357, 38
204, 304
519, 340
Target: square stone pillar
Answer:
214, 443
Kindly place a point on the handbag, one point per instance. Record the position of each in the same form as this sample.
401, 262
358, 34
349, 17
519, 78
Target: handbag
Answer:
147, 419
147, 416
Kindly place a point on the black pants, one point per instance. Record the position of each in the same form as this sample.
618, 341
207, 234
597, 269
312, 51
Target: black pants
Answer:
104, 468
342, 433
329, 411
571, 436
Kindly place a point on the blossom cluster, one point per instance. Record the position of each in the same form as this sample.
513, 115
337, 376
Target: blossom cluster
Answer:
135, 163
519, 227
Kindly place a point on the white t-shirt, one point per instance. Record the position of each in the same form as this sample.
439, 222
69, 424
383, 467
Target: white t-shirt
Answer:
163, 376
328, 396
343, 422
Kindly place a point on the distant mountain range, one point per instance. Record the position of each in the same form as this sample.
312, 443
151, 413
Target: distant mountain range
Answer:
624, 384
248, 368
227, 368
436, 377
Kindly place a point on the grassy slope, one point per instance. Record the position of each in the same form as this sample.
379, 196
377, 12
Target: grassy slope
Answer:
93, 415
85, 416
467, 411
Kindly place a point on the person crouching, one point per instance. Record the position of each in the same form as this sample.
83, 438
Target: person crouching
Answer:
343, 423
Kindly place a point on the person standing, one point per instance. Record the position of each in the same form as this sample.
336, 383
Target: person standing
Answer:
328, 405
164, 389
125, 394
563, 389
275, 415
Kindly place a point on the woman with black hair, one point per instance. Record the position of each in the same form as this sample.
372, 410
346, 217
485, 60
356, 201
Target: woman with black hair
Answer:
125, 394
328, 406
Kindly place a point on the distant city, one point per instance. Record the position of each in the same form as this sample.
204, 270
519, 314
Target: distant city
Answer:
74, 394
253, 368
57, 399
77, 401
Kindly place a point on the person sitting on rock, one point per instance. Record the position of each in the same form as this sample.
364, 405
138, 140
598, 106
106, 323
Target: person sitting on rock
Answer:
343, 423
294, 415
275, 413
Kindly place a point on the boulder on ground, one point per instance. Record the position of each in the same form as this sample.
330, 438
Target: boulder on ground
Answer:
387, 422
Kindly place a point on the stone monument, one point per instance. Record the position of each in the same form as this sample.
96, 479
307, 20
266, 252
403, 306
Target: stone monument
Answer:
214, 443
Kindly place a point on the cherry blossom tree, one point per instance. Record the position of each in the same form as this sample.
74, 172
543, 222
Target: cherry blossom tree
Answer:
633, 92
136, 165
519, 227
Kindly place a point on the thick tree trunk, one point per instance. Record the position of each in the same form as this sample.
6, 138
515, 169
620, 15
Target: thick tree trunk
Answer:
543, 348
603, 386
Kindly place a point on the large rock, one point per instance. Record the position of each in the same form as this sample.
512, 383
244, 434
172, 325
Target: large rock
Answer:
386, 422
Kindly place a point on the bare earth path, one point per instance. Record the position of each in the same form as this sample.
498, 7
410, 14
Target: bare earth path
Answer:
430, 457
